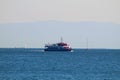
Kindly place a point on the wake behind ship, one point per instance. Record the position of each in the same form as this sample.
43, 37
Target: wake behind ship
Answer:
61, 46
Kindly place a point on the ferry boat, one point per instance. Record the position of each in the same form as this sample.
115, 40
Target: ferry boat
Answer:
61, 46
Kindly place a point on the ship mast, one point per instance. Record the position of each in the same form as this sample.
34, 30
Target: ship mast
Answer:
87, 43
61, 40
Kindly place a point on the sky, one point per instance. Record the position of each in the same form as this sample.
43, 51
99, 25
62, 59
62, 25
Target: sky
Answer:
33, 23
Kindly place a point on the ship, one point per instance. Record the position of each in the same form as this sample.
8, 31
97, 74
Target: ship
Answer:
61, 46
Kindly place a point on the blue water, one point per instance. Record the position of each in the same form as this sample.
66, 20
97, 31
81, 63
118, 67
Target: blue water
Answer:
34, 64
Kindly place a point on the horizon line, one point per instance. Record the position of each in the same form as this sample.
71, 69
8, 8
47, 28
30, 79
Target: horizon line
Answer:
51, 21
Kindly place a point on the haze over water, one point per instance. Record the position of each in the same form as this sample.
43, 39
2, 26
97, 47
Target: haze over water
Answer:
92, 26
35, 23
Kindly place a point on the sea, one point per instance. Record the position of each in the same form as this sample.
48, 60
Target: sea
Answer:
81, 64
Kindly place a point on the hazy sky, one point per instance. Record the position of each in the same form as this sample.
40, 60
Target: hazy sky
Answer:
36, 22
63, 10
